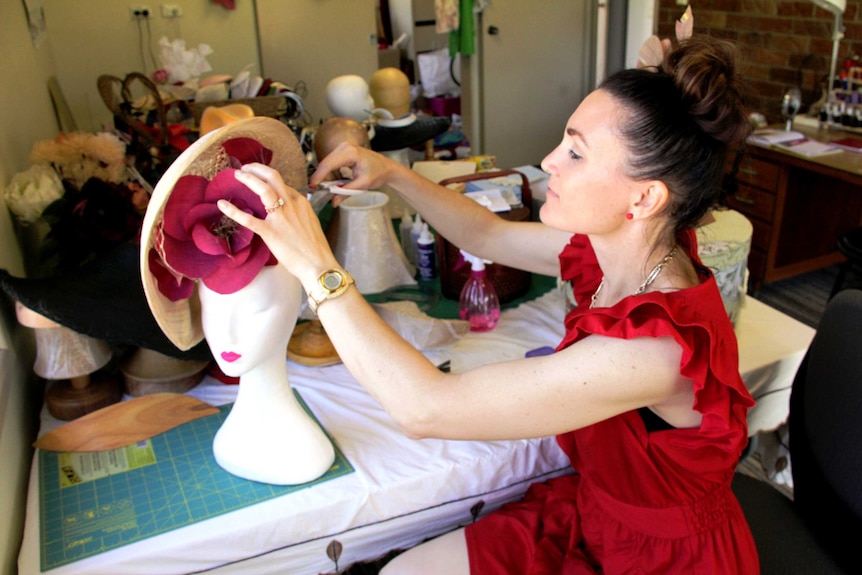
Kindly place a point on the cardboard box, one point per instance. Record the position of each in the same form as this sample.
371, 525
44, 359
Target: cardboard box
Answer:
388, 58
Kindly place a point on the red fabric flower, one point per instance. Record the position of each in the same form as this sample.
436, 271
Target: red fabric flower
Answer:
197, 241
173, 286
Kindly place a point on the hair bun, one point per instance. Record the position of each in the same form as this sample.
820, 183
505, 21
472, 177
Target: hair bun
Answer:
703, 70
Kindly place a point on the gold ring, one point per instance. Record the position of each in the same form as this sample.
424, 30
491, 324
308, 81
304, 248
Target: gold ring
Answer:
275, 206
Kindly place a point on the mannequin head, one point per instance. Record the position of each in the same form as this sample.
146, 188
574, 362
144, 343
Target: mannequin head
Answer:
348, 96
390, 89
336, 130
252, 326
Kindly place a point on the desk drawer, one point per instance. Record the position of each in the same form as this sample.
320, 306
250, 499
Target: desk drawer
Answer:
753, 202
759, 173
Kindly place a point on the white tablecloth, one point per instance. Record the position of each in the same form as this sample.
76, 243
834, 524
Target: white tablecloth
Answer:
402, 490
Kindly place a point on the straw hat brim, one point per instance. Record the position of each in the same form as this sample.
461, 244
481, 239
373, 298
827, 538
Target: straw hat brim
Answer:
180, 320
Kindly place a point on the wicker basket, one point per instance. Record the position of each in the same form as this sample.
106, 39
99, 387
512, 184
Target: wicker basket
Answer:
510, 283
268, 106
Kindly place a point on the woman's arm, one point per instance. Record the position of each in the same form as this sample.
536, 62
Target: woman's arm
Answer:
595, 379
529, 246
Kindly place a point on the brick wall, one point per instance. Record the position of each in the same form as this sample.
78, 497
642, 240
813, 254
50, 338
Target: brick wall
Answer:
783, 43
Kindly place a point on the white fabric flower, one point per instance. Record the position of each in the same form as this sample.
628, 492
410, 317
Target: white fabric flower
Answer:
31, 191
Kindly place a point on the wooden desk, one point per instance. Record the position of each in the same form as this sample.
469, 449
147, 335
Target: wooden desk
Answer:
798, 206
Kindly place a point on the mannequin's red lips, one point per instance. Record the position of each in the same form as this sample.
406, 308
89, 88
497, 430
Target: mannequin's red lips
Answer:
230, 356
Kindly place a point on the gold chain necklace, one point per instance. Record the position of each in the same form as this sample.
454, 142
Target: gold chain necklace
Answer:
654, 273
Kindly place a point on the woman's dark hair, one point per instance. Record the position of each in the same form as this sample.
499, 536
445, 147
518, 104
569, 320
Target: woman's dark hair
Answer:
680, 120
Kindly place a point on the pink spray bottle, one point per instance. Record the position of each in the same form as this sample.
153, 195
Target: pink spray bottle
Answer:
478, 303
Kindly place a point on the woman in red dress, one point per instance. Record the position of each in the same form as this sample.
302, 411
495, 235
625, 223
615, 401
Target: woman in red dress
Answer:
643, 393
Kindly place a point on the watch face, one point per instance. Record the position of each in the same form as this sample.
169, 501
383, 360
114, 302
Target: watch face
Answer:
332, 281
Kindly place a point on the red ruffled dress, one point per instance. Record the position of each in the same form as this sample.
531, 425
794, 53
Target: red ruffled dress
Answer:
640, 501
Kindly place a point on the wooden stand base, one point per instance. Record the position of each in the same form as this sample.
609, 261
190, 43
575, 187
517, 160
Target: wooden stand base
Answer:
146, 371
68, 402
309, 345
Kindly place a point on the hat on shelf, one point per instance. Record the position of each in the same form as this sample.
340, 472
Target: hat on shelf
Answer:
394, 136
102, 299
215, 117
186, 239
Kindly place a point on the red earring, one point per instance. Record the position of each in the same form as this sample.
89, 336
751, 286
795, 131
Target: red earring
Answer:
630, 216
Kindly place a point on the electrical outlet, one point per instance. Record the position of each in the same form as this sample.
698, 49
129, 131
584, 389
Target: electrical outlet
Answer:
140, 12
171, 11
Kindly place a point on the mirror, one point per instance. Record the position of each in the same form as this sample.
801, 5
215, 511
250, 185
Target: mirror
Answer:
790, 104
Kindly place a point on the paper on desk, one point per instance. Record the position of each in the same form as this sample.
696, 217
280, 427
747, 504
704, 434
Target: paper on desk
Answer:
772, 136
809, 148
491, 198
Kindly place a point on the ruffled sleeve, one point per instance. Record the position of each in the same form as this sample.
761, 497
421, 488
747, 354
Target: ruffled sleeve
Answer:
694, 317
578, 265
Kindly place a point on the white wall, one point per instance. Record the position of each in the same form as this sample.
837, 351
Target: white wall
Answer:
312, 41
95, 37
26, 116
640, 26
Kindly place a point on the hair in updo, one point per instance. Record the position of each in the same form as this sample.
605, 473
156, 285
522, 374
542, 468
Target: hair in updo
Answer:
679, 121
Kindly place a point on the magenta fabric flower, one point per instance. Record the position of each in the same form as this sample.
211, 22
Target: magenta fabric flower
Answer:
197, 241
173, 286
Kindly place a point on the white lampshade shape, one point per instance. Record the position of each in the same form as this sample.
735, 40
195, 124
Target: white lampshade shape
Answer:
365, 244
64, 354
60, 352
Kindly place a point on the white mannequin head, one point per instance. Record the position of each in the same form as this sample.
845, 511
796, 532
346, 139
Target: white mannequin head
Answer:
267, 436
252, 326
348, 96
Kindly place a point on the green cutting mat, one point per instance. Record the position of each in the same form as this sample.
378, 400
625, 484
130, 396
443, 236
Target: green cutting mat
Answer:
91, 503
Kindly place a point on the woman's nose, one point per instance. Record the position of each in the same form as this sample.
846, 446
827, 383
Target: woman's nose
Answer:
547, 162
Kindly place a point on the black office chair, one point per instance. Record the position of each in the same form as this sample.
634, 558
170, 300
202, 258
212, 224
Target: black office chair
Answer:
820, 530
850, 246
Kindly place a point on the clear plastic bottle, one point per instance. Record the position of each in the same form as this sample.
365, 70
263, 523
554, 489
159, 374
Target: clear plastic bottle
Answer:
478, 303
404, 230
414, 237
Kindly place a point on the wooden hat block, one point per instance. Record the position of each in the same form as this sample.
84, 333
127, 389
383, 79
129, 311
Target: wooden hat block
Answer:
309, 345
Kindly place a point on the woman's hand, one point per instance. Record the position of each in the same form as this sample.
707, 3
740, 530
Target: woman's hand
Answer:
367, 170
291, 229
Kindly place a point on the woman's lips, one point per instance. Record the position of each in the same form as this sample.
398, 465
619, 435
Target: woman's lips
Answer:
230, 356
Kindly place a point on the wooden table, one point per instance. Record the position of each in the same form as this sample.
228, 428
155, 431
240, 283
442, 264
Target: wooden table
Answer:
798, 206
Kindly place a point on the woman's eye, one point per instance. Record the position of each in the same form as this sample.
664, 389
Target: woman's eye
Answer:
574, 155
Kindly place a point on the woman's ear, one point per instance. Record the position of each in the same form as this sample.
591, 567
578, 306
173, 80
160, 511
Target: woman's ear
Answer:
651, 199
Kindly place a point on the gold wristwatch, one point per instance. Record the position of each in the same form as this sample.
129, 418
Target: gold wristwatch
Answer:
331, 284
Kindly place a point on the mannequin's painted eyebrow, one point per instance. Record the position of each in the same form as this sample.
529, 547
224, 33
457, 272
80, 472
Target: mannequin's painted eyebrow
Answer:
573, 133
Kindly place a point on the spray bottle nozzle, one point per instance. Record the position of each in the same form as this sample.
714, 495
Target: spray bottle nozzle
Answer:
476, 263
